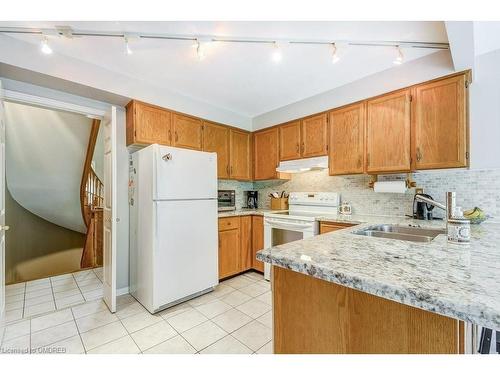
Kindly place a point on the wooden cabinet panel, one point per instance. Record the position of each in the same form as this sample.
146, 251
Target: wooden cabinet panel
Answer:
265, 146
246, 243
187, 132
312, 316
257, 241
148, 124
347, 140
314, 136
327, 226
226, 223
240, 155
440, 124
388, 133
289, 141
229, 253
216, 139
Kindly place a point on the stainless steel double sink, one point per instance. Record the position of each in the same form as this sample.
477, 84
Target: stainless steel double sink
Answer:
399, 232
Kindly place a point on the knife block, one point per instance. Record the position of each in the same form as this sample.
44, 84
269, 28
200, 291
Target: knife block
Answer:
279, 203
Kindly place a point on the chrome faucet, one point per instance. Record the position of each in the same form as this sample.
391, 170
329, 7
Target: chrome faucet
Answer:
451, 202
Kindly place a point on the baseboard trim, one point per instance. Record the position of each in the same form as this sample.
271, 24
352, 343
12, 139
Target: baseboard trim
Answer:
122, 291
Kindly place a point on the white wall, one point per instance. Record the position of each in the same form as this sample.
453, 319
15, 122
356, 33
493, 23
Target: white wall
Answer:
485, 112
429, 67
45, 153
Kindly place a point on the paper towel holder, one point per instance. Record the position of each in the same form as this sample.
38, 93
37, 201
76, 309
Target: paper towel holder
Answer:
409, 181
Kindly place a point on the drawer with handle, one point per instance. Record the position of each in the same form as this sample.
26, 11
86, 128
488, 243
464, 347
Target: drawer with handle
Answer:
226, 223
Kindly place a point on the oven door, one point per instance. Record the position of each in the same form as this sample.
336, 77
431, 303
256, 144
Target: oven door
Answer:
279, 232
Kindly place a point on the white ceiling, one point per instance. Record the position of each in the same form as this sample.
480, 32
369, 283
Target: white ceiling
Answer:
241, 77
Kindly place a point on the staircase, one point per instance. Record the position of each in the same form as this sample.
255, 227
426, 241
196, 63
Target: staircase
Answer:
91, 201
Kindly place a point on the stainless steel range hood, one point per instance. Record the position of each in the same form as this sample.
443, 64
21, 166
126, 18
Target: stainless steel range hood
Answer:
303, 165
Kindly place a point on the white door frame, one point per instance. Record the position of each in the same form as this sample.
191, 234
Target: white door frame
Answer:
91, 112
3, 228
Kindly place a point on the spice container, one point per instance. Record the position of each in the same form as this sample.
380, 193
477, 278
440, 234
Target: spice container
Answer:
458, 228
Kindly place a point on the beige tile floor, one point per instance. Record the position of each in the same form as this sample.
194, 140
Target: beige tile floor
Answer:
235, 318
33, 298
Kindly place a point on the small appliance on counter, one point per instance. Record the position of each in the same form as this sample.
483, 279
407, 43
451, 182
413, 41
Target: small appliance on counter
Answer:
252, 199
226, 200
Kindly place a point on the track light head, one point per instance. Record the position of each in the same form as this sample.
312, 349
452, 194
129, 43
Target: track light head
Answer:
277, 55
44, 46
335, 56
399, 57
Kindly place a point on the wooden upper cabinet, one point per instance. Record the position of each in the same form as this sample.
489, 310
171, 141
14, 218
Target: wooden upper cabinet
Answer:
314, 136
440, 124
388, 133
216, 139
147, 124
265, 151
240, 159
187, 132
289, 141
347, 140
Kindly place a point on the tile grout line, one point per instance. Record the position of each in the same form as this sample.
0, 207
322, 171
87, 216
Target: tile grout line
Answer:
24, 300
78, 330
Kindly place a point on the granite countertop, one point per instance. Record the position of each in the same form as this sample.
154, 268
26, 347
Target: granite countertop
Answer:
458, 281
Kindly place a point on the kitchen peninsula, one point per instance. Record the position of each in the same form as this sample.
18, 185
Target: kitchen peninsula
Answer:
345, 293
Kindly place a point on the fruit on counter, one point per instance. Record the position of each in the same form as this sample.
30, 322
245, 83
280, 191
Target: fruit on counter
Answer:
475, 215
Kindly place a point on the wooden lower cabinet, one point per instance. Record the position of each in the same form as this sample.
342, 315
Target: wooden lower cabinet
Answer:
246, 243
240, 238
229, 252
257, 241
315, 316
329, 226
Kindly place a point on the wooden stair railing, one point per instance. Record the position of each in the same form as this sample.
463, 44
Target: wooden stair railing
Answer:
91, 201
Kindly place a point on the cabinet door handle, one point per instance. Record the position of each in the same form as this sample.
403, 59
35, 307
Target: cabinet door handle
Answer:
368, 159
231, 170
419, 154
298, 148
359, 162
169, 135
227, 169
176, 137
303, 147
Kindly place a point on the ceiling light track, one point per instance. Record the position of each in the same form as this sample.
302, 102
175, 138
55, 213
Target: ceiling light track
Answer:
85, 33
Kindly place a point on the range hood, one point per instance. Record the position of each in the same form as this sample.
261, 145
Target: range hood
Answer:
303, 165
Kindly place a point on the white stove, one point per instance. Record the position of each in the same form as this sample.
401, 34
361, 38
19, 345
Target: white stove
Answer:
300, 221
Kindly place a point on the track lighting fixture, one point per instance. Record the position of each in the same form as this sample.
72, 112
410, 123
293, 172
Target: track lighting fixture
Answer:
277, 55
44, 46
201, 43
128, 50
335, 56
399, 57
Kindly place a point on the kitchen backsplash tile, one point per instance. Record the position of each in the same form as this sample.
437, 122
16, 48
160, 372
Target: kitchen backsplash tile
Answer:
239, 187
474, 188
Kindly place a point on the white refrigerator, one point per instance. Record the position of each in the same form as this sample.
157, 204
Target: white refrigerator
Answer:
173, 225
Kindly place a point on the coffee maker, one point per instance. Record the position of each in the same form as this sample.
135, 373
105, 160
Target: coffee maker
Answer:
421, 210
252, 199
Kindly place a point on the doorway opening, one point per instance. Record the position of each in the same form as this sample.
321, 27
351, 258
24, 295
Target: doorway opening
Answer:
54, 205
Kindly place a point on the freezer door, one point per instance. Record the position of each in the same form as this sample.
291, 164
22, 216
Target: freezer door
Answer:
184, 174
186, 252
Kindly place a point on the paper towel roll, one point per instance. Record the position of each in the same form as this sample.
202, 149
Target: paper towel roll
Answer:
390, 187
